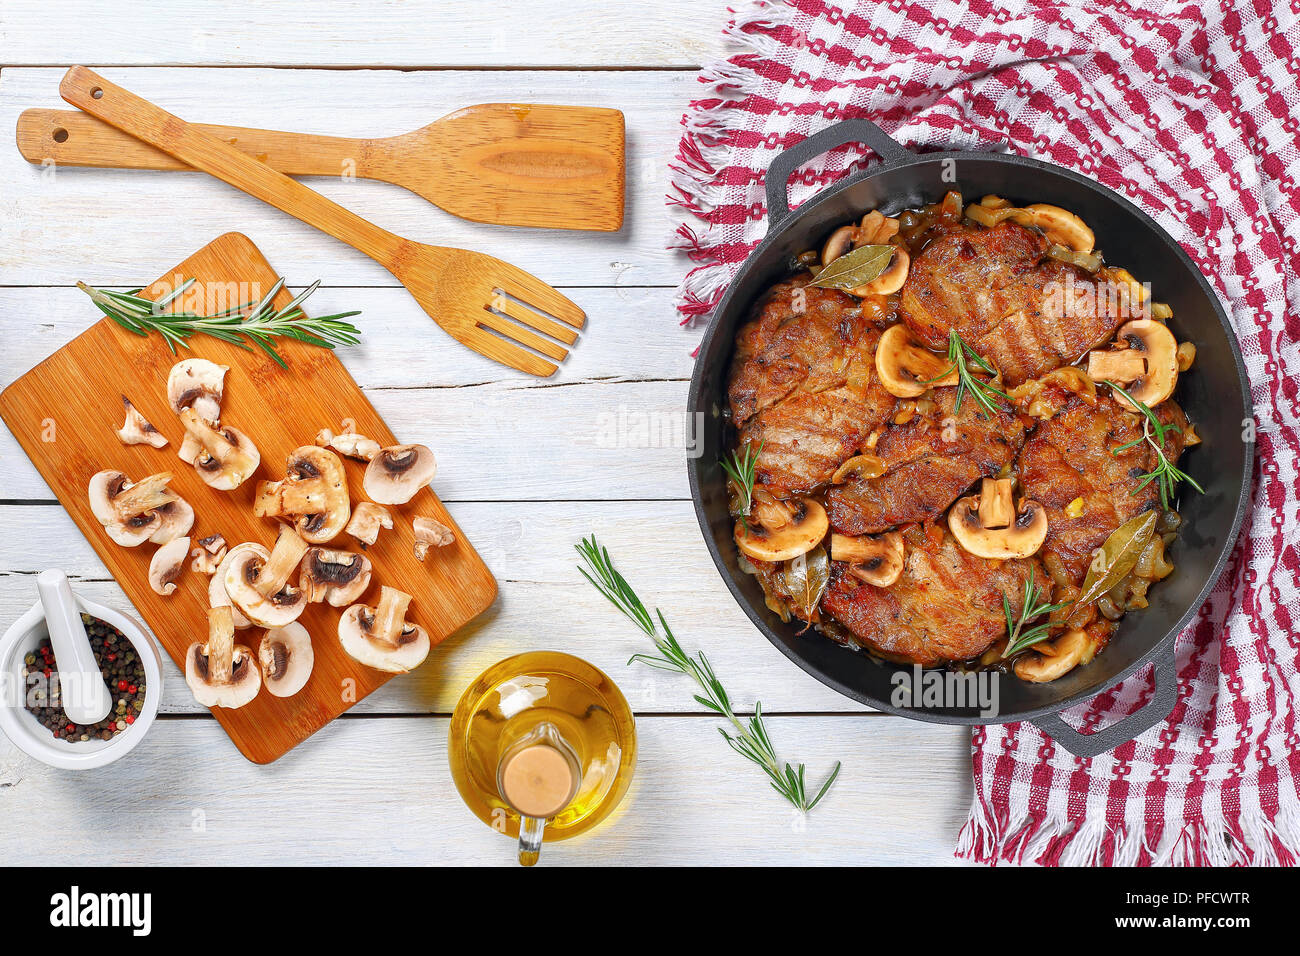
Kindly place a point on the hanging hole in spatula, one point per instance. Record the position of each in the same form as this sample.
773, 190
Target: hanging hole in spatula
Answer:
60, 135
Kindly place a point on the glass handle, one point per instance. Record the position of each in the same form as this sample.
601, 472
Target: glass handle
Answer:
530, 839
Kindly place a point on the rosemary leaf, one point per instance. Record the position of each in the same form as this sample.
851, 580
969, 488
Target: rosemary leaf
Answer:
749, 739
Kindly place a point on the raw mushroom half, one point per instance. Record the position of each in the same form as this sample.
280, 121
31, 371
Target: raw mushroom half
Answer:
198, 384
988, 525
349, 444
1146, 364
220, 672
175, 519
781, 530
398, 472
381, 637
875, 559
224, 458
287, 659
217, 596
430, 533
367, 519
137, 430
167, 564
209, 554
337, 577
129, 511
314, 494
260, 587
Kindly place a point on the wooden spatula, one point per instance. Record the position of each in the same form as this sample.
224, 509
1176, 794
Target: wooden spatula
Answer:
556, 167
480, 301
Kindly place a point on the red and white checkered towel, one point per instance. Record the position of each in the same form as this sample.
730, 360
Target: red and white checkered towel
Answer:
1190, 110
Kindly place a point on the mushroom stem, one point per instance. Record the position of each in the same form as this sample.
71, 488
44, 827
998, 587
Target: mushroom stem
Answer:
221, 645
145, 495
390, 615
997, 509
1123, 366
302, 497
285, 558
217, 445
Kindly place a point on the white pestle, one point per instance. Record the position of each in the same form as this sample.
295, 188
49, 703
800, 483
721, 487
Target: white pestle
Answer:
82, 692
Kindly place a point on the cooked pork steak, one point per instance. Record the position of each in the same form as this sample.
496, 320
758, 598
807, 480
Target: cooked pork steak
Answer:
1024, 313
1069, 457
931, 461
946, 605
803, 385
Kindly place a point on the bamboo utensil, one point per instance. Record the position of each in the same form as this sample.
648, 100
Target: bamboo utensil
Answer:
480, 301
554, 167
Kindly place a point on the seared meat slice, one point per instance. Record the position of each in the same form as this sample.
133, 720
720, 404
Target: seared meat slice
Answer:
1025, 314
931, 461
958, 281
946, 605
1069, 457
804, 386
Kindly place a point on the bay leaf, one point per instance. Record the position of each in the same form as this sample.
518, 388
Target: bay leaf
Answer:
1117, 556
805, 579
856, 267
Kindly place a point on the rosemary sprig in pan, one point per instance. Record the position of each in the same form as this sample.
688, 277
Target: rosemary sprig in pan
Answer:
741, 470
749, 738
256, 322
1166, 474
1020, 636
960, 359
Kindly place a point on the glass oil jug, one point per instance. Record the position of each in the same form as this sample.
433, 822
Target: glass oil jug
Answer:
542, 747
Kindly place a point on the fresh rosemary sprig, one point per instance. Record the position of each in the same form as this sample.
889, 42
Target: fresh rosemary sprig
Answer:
1018, 636
1166, 474
258, 322
960, 357
741, 471
749, 738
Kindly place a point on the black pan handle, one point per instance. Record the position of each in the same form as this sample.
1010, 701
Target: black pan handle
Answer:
1134, 725
823, 141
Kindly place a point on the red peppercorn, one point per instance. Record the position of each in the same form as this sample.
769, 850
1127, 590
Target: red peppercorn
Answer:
121, 685
71, 728
132, 689
129, 719
47, 672
112, 657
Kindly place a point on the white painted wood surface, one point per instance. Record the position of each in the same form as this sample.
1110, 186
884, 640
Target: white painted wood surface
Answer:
528, 467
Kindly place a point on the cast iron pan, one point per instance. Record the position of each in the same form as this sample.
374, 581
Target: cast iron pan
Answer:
1214, 395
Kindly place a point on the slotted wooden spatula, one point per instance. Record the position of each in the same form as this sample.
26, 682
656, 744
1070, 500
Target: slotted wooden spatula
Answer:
555, 167
480, 301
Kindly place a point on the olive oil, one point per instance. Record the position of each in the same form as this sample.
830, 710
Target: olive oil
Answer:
544, 743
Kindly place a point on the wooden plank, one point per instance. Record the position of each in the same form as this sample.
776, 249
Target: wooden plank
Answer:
415, 33
128, 216
70, 439
543, 604
379, 792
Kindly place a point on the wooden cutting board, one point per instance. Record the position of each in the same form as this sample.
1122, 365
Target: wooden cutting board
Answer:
65, 413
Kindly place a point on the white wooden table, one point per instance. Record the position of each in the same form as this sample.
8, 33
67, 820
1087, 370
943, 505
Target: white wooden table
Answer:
527, 466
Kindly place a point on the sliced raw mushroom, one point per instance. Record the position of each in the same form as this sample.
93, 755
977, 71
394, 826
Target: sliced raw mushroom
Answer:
220, 672
990, 525
287, 658
907, 369
1146, 363
430, 533
260, 586
398, 472
337, 577
314, 494
781, 530
367, 519
217, 596
224, 458
137, 430
129, 511
875, 559
349, 444
166, 565
381, 637
177, 517
209, 554
198, 384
